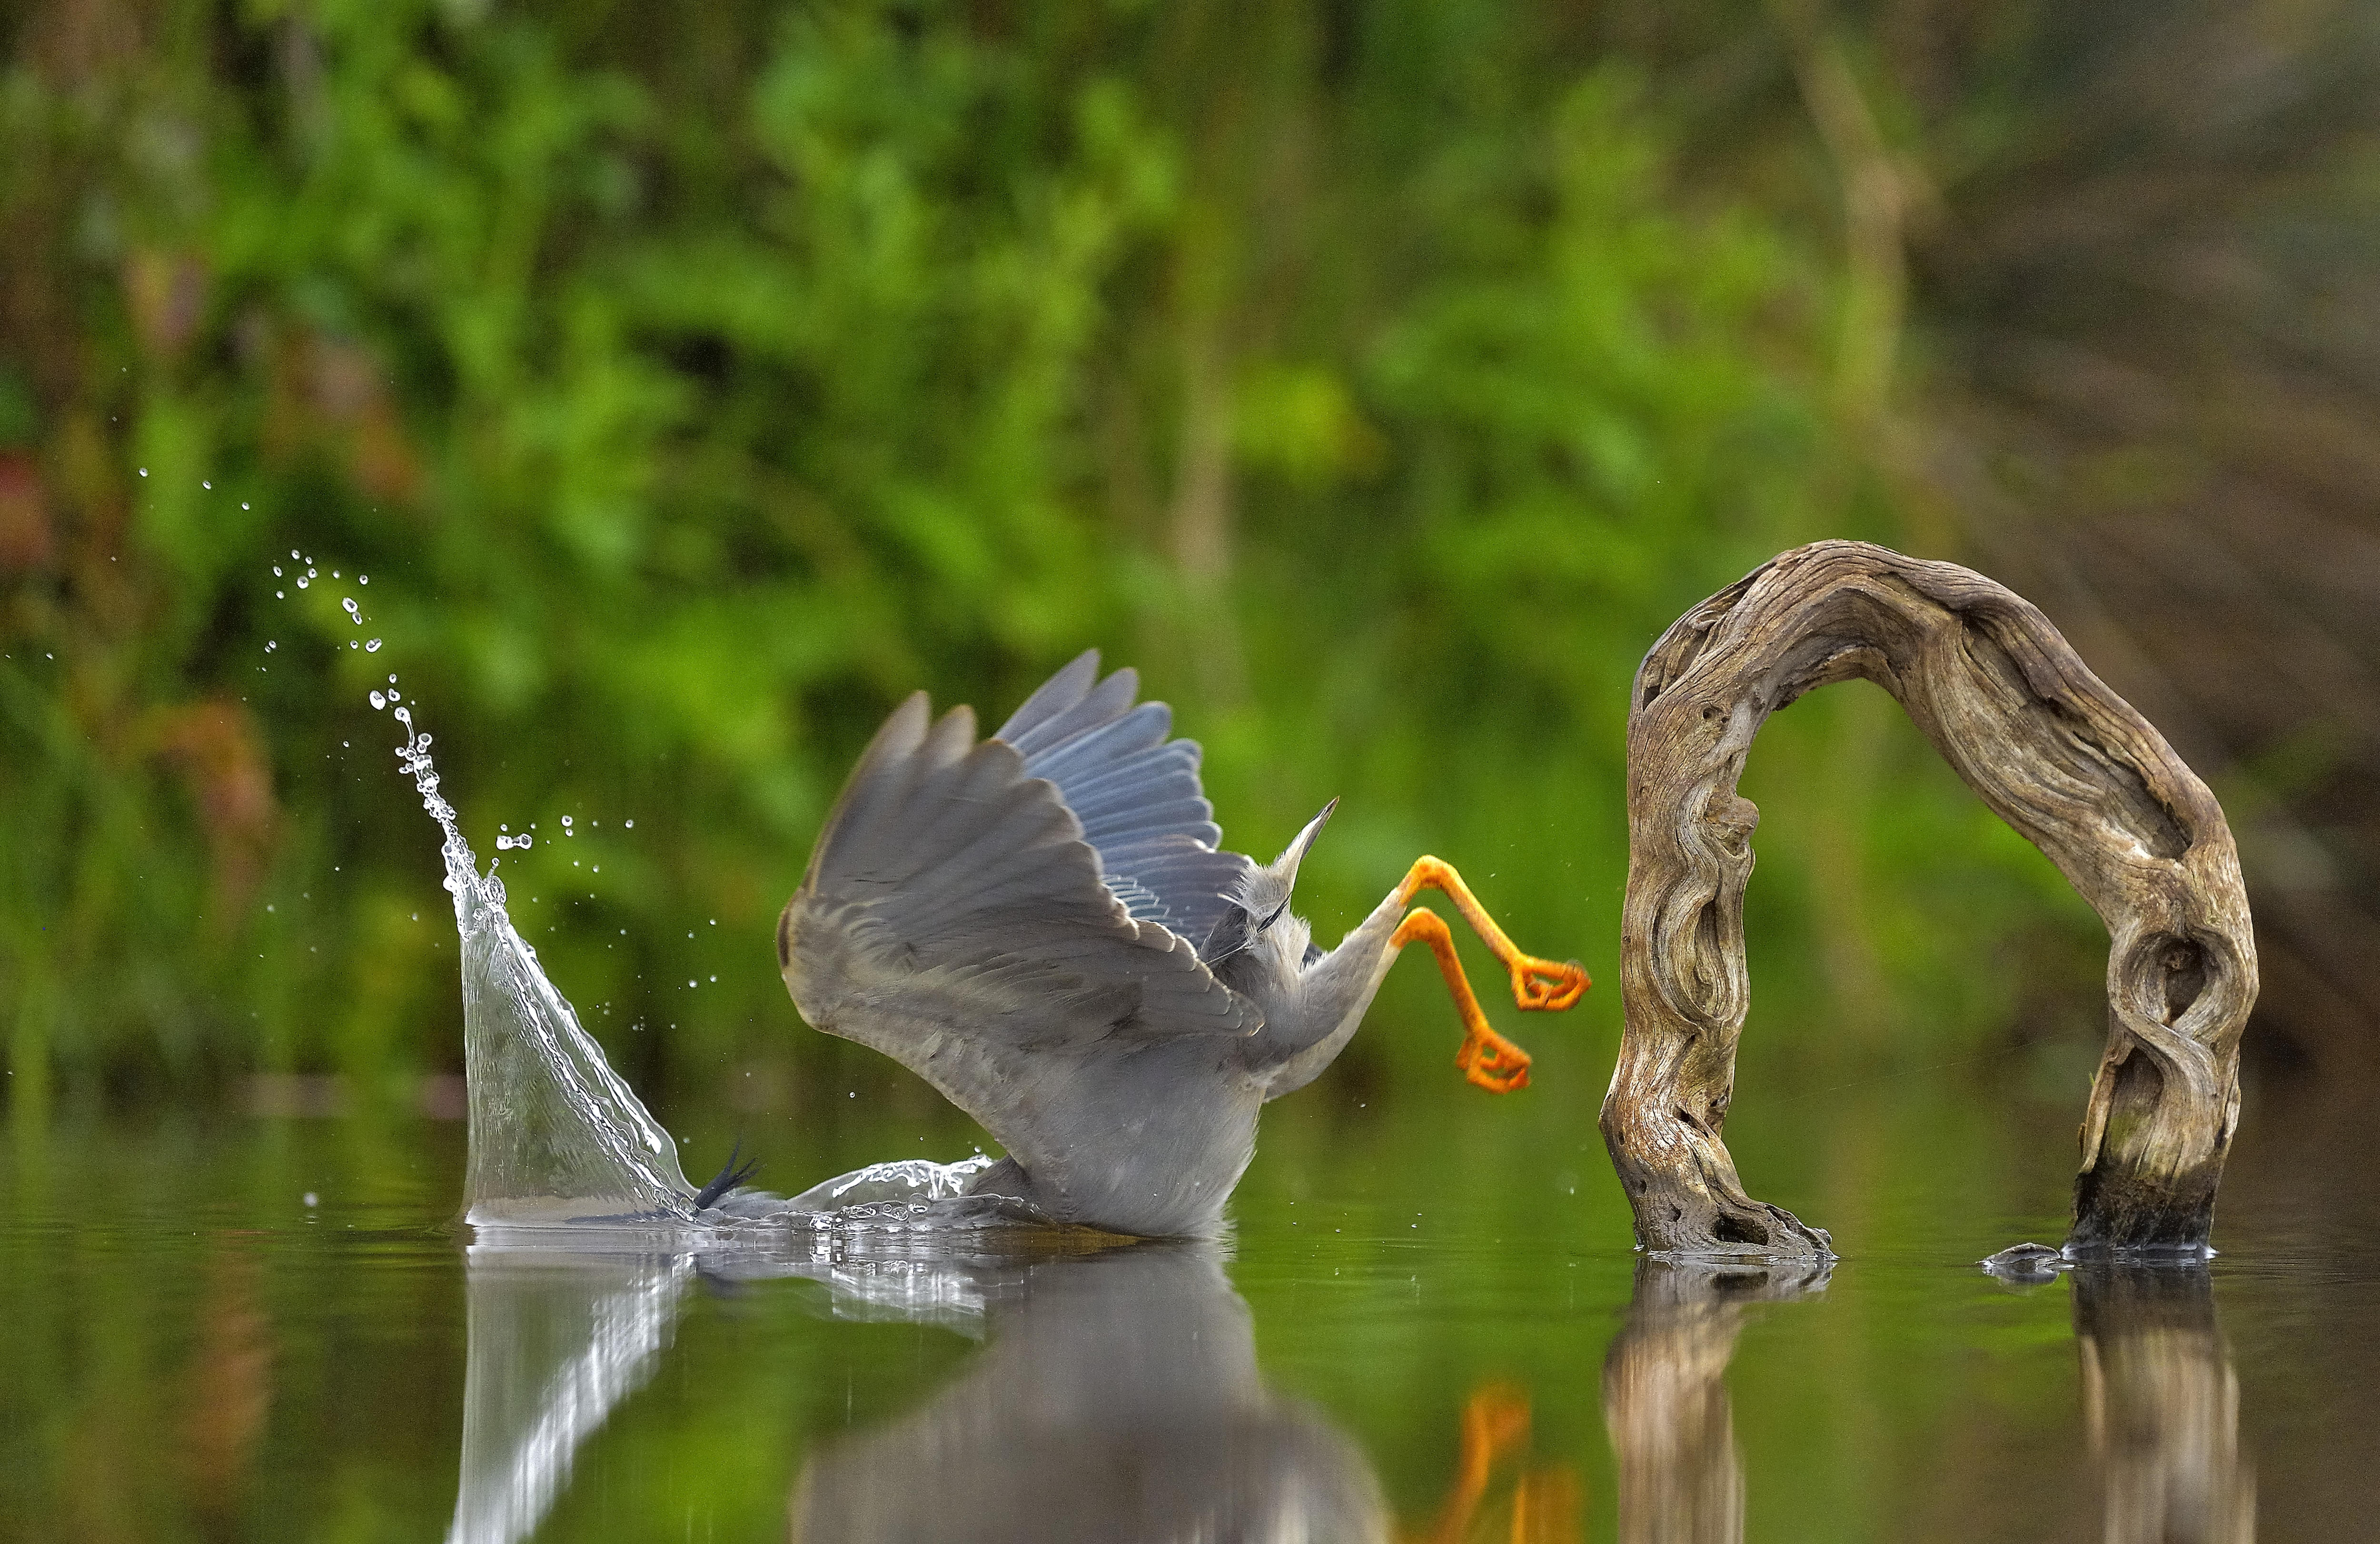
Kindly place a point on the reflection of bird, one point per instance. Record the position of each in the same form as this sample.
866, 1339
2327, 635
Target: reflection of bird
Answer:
1119, 1398
1040, 925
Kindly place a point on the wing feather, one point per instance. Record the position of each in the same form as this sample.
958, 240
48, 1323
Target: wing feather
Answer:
1135, 792
953, 916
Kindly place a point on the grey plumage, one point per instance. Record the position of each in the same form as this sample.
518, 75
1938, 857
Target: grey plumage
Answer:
1042, 926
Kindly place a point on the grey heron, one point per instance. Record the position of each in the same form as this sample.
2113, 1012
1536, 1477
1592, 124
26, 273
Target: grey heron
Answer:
1042, 926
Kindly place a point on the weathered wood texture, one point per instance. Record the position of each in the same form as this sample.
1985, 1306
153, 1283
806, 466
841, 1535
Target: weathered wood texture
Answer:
2052, 751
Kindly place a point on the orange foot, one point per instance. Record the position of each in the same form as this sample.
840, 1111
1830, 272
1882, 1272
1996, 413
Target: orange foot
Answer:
1544, 986
1487, 1058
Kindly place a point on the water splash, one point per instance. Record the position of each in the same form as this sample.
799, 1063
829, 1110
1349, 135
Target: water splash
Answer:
555, 1134
558, 1139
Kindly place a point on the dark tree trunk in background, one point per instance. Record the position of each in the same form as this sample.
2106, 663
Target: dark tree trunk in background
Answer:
2052, 751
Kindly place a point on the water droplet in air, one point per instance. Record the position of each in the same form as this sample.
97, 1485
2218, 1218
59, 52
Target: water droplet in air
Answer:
243, 504
378, 701
392, 680
630, 824
351, 643
301, 581
347, 603
312, 1199
144, 471
373, 647
363, 578
334, 573
208, 486
293, 551
689, 982
276, 571
394, 696
269, 645
565, 824
281, 595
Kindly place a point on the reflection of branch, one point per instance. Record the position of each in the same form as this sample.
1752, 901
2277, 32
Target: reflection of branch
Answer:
2163, 1406
1665, 1400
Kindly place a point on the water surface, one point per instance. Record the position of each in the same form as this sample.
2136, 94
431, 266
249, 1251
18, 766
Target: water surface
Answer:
1428, 1324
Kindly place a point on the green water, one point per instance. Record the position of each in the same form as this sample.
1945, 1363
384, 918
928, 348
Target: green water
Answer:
193, 1351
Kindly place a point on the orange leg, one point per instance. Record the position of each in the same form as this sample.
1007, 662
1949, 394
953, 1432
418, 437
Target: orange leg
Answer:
1537, 985
1487, 1058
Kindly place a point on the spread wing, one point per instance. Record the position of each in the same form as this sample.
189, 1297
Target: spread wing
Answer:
954, 918
1136, 792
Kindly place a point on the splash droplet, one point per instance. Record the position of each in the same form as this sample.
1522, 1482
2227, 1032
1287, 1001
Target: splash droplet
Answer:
269, 645
144, 471
276, 571
630, 824
205, 484
363, 578
347, 604
243, 504
378, 701
373, 647
302, 581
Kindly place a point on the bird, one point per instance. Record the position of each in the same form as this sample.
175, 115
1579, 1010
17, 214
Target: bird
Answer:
1043, 925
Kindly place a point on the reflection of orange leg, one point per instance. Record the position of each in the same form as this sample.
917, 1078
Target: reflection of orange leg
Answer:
1537, 984
1495, 1421
1487, 1058
1545, 1507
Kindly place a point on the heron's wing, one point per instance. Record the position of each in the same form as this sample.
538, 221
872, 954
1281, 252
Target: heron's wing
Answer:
1136, 792
952, 918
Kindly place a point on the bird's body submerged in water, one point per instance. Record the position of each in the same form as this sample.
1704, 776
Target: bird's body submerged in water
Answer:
1041, 926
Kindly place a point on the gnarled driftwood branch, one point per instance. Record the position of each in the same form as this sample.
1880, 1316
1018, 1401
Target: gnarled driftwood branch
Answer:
2053, 751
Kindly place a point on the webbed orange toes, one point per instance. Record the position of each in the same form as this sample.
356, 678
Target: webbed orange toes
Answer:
1492, 1061
1542, 986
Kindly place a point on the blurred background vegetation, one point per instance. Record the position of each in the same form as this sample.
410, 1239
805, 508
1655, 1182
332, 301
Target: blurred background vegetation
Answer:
1379, 376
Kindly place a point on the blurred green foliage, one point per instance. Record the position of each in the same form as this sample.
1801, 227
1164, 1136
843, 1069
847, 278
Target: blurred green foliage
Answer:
692, 381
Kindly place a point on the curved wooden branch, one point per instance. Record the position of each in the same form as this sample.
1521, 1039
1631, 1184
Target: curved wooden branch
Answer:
2052, 751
